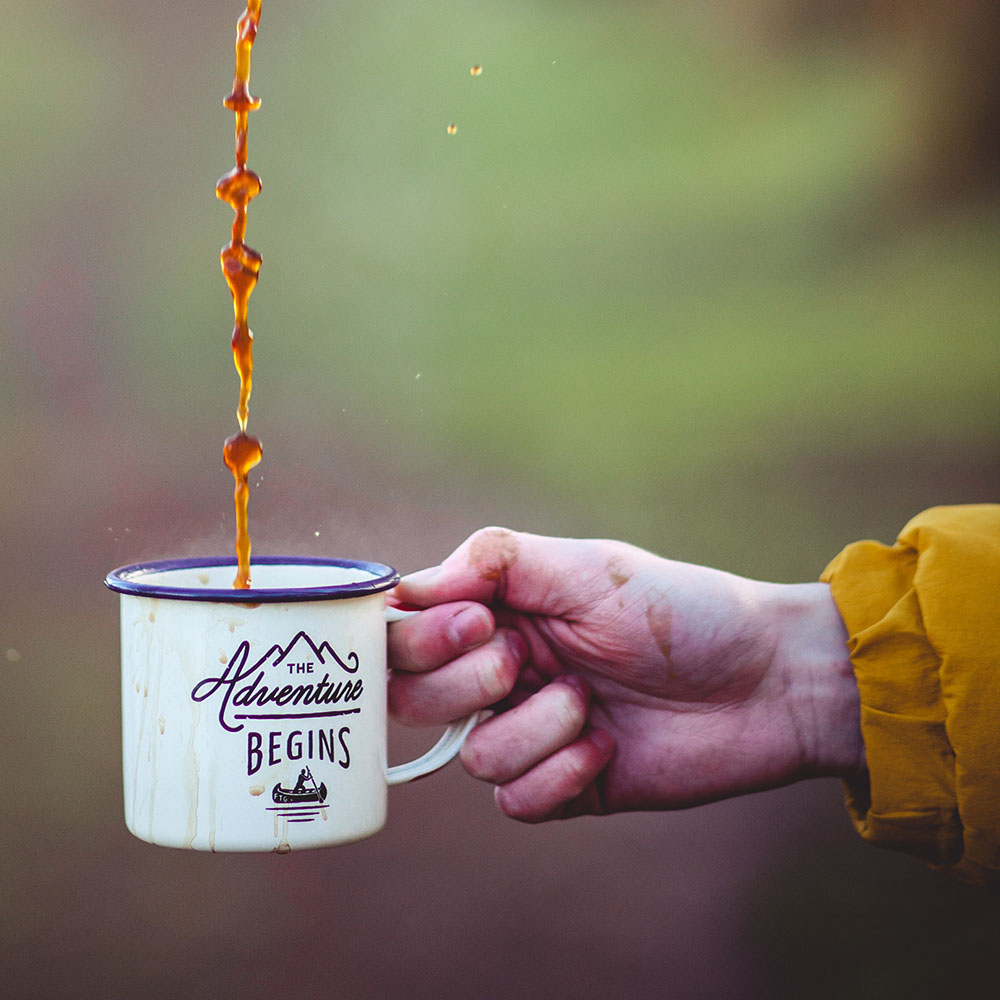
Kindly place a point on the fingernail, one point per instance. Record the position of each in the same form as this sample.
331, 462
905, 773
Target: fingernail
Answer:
578, 684
420, 577
471, 627
516, 643
602, 741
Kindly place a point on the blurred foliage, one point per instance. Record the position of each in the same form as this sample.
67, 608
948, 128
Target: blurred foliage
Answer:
654, 256
720, 279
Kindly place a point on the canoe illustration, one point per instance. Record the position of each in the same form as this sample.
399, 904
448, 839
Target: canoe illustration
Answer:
286, 795
305, 790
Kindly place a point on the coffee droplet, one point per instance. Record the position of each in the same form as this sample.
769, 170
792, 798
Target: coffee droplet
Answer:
241, 453
476, 70
452, 128
256, 790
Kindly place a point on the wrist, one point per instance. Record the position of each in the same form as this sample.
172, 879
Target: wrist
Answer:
820, 689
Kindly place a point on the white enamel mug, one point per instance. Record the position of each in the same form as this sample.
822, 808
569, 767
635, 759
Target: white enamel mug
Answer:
255, 720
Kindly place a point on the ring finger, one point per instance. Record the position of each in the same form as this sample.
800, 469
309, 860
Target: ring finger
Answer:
504, 747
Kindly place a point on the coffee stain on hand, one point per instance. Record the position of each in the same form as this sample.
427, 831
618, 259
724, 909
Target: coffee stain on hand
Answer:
493, 552
618, 574
659, 617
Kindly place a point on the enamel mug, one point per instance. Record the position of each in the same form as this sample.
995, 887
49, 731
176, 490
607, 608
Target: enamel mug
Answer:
255, 720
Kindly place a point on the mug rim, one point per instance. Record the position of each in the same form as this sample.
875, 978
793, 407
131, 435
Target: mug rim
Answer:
129, 580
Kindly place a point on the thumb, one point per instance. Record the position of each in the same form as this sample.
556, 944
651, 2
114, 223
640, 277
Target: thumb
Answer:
524, 572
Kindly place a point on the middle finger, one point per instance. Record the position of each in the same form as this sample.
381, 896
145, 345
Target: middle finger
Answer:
470, 683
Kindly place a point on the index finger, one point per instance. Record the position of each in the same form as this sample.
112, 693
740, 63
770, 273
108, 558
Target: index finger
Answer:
438, 635
524, 572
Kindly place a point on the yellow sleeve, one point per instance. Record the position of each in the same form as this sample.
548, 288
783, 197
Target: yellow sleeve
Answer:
923, 620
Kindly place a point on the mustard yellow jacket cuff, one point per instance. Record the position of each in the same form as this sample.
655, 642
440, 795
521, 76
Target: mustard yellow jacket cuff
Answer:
923, 619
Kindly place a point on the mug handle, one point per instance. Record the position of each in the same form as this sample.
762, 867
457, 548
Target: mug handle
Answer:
447, 746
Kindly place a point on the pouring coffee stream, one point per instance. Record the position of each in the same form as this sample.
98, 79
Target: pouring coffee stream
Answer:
190, 783
240, 267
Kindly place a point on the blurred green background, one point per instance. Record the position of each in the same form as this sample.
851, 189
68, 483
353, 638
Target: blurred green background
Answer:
720, 279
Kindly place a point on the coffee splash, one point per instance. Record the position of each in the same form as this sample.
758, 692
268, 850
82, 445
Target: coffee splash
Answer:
240, 267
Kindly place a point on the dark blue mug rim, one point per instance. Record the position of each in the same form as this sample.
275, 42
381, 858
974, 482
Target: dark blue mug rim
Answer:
129, 580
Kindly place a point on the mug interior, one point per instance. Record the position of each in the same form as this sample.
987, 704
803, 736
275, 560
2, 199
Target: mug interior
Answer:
274, 578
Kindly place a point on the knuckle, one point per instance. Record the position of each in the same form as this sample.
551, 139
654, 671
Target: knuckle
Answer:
520, 808
496, 677
477, 763
400, 704
402, 646
491, 533
568, 711
416, 650
408, 653
577, 773
493, 551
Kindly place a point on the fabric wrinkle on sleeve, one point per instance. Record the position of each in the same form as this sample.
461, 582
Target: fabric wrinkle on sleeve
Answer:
923, 619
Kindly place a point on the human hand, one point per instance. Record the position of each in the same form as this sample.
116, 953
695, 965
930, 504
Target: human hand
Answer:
622, 680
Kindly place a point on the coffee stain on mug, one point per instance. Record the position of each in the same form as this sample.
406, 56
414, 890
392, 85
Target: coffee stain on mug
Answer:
283, 847
212, 785
192, 771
